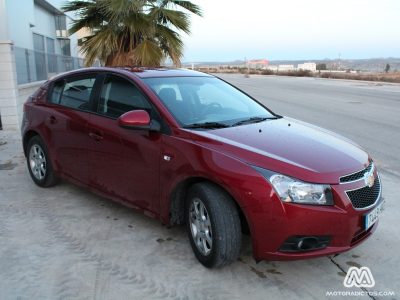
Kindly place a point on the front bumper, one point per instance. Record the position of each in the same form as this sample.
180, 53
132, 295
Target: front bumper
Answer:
274, 222
346, 231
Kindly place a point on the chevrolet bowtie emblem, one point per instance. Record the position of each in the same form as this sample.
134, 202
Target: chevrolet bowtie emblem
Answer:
369, 178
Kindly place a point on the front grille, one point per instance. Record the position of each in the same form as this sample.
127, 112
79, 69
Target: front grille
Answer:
356, 176
366, 196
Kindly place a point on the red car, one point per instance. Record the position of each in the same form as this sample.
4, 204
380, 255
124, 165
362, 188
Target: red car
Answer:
189, 148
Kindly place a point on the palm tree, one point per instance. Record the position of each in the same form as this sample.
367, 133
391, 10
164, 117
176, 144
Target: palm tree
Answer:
132, 32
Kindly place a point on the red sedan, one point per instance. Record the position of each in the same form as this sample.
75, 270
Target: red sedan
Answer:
189, 148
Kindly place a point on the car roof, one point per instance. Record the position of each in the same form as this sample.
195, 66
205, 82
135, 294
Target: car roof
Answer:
141, 72
162, 72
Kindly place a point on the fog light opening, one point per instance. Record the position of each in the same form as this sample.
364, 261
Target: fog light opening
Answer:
307, 243
303, 243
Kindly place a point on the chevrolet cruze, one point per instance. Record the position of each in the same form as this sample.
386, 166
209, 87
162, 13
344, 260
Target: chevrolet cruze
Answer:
188, 148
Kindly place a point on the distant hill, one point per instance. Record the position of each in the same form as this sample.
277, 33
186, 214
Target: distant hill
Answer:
367, 65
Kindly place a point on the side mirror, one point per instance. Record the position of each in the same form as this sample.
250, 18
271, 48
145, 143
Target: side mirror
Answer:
138, 119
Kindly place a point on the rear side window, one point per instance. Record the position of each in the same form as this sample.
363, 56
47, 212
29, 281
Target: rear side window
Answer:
56, 93
74, 93
119, 96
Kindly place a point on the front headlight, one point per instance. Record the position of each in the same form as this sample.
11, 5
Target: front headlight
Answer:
297, 191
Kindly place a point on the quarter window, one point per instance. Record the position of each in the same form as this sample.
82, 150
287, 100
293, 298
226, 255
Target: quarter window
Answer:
73, 93
55, 96
119, 96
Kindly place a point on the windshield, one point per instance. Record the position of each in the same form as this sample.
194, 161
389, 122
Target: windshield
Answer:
206, 100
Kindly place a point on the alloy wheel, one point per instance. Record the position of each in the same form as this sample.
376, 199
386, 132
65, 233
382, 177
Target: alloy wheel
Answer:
200, 226
37, 162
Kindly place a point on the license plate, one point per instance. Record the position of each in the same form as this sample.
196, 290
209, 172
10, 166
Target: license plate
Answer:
373, 216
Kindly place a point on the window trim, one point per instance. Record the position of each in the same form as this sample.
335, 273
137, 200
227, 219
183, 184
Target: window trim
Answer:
70, 78
95, 96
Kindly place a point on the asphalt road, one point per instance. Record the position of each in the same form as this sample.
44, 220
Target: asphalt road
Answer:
66, 243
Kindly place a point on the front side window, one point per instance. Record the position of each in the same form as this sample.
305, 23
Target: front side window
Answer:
119, 96
74, 93
199, 100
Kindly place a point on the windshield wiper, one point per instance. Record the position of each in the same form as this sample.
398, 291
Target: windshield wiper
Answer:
209, 125
252, 120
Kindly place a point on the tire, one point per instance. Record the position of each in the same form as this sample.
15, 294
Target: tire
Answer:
39, 163
216, 240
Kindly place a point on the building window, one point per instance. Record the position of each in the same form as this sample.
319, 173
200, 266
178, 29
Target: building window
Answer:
65, 46
40, 56
38, 42
51, 57
50, 45
61, 26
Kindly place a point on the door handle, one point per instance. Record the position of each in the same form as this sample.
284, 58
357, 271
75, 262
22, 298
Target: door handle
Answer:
95, 136
52, 120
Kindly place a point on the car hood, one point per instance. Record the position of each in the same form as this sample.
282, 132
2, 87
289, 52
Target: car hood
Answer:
288, 146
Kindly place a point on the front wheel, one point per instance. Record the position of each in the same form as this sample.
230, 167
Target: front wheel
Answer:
213, 225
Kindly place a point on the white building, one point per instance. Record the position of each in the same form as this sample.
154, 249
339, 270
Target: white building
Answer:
285, 68
34, 45
309, 66
38, 25
272, 68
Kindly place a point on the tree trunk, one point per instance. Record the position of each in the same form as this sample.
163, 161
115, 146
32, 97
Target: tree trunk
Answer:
121, 59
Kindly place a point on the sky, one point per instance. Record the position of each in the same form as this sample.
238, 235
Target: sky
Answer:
294, 29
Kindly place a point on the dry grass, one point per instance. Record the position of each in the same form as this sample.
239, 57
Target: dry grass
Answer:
379, 77
384, 77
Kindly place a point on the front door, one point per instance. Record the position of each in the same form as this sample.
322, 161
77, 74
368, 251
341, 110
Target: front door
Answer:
124, 163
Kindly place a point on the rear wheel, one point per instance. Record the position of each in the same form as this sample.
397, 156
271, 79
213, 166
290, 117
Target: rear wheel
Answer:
39, 164
213, 225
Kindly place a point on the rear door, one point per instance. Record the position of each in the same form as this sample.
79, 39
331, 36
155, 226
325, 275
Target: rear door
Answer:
70, 103
124, 163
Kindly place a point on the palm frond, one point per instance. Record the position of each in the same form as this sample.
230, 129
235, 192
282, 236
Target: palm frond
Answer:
100, 45
189, 6
147, 53
116, 10
140, 32
170, 43
175, 18
77, 5
139, 24
93, 22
